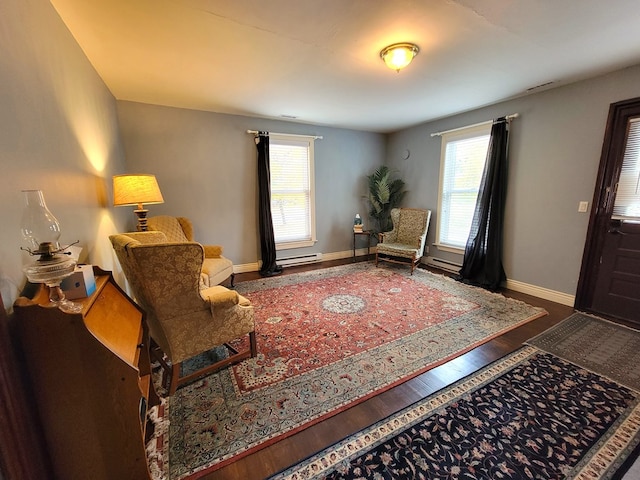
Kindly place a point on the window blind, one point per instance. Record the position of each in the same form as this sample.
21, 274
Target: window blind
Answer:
464, 156
627, 203
291, 189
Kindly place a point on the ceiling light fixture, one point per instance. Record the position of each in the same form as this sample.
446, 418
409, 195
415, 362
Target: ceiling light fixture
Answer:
399, 55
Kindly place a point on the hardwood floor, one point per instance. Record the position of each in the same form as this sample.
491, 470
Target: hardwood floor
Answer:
293, 449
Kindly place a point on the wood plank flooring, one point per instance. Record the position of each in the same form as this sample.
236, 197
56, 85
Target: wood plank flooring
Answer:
293, 449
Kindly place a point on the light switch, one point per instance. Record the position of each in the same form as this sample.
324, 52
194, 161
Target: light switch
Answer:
583, 206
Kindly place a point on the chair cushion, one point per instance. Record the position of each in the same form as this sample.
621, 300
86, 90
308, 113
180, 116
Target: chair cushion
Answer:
398, 250
217, 270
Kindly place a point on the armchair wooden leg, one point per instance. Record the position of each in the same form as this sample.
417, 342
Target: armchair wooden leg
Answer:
253, 344
175, 376
376, 259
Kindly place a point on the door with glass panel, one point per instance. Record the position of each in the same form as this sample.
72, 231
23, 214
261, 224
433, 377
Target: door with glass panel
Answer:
610, 277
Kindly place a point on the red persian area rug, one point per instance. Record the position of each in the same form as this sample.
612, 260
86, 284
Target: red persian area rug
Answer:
328, 339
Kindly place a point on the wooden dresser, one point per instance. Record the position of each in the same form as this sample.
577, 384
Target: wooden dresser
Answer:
91, 376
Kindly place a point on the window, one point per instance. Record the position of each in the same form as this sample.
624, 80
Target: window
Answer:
627, 204
464, 152
292, 192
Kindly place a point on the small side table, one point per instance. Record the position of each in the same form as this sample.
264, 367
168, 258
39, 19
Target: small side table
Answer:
357, 234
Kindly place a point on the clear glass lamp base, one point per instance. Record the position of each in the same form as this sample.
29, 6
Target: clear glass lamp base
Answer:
51, 272
57, 299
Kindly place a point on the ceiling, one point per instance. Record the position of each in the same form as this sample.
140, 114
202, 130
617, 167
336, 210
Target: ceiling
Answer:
317, 61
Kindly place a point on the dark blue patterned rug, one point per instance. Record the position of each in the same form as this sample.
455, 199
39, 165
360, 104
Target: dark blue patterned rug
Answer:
530, 415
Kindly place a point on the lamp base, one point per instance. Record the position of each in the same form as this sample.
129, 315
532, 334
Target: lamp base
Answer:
142, 219
51, 270
57, 299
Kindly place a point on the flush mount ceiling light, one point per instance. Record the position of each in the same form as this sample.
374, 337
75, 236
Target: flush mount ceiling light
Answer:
399, 55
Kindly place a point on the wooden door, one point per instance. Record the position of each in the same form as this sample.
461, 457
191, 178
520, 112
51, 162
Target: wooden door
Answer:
610, 277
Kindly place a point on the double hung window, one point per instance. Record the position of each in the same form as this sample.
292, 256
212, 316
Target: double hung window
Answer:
292, 191
464, 152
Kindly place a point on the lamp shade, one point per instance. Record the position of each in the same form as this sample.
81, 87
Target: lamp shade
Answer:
136, 189
399, 55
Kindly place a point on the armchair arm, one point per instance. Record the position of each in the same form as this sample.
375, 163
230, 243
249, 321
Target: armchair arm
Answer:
220, 296
212, 251
390, 236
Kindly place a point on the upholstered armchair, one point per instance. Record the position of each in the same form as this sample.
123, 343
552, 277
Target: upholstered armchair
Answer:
405, 243
216, 267
183, 319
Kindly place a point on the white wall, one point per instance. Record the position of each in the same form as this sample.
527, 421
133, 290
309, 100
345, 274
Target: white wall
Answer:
58, 133
207, 170
555, 148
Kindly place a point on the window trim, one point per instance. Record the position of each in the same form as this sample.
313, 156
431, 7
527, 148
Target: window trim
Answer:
446, 137
309, 140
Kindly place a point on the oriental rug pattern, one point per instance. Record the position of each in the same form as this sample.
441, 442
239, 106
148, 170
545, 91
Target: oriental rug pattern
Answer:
529, 415
607, 348
328, 339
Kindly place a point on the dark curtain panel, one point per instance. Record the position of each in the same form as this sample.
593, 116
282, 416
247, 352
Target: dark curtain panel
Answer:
482, 265
267, 241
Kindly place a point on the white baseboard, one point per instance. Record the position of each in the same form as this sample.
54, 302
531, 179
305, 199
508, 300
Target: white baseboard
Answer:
246, 267
516, 286
345, 254
541, 292
254, 267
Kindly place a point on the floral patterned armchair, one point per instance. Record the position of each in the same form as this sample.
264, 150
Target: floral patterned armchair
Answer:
216, 268
183, 319
405, 243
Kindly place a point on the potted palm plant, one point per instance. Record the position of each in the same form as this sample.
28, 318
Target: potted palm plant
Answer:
384, 194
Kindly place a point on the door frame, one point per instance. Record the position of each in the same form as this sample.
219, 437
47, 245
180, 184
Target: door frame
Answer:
611, 158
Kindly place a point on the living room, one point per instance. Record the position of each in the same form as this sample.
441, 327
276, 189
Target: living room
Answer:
65, 133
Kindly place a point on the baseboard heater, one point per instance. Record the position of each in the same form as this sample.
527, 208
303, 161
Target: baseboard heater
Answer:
443, 264
299, 259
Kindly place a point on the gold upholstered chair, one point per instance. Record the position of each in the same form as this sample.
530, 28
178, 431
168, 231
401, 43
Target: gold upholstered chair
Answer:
405, 243
216, 268
184, 320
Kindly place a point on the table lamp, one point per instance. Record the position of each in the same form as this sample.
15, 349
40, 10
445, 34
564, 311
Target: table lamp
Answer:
137, 189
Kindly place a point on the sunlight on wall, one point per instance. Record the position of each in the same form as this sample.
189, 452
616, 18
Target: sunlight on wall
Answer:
102, 254
89, 110
91, 138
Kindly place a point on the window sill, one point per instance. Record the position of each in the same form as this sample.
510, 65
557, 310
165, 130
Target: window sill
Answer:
292, 245
449, 248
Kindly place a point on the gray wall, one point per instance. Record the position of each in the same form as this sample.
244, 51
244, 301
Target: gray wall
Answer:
555, 148
58, 133
206, 167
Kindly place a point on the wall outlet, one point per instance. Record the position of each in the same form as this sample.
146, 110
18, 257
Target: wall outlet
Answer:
583, 207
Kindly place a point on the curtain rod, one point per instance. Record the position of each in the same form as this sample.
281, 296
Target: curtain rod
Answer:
508, 117
315, 137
